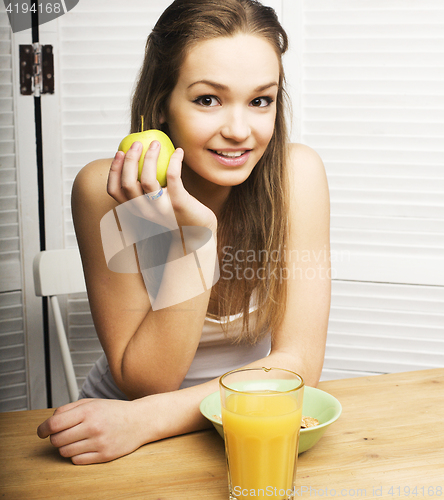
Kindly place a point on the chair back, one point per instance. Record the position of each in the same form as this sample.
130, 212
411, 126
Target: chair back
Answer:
59, 272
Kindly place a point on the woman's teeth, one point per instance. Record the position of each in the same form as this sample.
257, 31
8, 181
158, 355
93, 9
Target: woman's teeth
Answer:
230, 154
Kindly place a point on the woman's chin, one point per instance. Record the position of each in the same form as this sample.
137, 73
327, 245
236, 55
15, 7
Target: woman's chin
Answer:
222, 179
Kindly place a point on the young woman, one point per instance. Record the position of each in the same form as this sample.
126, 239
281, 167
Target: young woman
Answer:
213, 80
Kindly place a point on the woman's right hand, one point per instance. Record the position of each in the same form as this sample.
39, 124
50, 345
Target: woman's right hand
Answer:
176, 206
92, 431
95, 430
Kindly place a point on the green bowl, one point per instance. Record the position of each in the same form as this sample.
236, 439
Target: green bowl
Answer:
317, 404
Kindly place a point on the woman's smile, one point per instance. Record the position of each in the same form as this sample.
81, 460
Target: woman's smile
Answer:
231, 158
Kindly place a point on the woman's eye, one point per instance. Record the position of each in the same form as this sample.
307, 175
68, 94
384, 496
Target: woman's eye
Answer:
207, 101
261, 102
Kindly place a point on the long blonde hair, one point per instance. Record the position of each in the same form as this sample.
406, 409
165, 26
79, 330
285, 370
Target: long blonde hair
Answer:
254, 219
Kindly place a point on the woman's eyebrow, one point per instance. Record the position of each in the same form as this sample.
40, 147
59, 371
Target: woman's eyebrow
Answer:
216, 85
221, 86
261, 88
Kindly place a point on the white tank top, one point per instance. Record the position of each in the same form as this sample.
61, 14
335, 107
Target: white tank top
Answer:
215, 355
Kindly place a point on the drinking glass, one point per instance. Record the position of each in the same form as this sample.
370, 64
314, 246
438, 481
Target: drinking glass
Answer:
261, 417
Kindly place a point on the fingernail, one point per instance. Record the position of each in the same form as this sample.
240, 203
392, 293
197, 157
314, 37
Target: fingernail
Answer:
154, 145
135, 145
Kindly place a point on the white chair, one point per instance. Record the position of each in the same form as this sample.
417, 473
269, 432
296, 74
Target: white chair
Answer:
58, 272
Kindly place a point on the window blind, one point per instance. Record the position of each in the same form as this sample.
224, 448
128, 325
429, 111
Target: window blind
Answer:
9, 225
13, 377
372, 105
384, 328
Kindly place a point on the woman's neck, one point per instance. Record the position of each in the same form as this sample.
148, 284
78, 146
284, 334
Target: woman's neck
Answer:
211, 195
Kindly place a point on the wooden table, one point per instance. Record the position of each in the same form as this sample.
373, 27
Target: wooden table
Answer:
387, 444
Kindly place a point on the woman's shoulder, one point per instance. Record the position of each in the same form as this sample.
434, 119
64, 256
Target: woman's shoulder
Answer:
306, 168
89, 194
303, 158
90, 184
93, 176
309, 193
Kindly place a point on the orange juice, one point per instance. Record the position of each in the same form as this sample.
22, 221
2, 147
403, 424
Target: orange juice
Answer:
261, 438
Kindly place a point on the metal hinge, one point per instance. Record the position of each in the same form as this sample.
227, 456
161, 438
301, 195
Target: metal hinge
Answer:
36, 69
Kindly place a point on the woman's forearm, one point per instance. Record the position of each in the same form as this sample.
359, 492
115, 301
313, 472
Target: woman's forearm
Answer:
177, 412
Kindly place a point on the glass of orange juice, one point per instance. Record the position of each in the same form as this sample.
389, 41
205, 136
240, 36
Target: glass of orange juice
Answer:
261, 417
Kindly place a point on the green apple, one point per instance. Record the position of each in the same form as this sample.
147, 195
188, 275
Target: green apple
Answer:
146, 138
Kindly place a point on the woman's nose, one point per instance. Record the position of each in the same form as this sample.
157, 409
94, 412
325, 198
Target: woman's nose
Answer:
236, 126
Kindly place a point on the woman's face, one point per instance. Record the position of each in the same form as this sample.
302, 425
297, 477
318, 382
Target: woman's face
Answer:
223, 107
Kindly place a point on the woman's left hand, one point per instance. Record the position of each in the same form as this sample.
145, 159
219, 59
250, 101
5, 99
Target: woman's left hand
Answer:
95, 430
